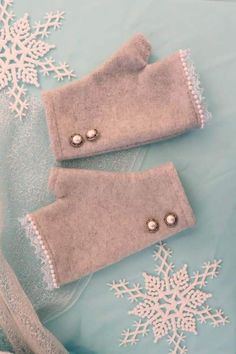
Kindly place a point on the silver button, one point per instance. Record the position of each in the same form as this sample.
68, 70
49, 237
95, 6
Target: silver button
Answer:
92, 134
171, 219
76, 140
152, 225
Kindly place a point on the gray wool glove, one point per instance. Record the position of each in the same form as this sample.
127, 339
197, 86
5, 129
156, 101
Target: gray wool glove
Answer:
124, 103
101, 217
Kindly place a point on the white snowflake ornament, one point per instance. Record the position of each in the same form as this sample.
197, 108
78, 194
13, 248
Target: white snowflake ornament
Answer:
170, 303
23, 55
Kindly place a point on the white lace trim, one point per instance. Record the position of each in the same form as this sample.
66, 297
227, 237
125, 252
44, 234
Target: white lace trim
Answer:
41, 252
194, 86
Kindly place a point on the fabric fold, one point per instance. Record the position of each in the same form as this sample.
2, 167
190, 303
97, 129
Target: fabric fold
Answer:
18, 319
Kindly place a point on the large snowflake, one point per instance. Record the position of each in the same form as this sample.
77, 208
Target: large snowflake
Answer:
23, 54
170, 303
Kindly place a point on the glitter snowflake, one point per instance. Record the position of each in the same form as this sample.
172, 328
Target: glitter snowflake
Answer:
23, 54
170, 303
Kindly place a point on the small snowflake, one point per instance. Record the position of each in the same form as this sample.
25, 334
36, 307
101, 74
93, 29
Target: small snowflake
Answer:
170, 303
22, 54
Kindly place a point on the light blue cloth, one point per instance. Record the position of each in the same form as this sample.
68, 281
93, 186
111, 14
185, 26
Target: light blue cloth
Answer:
205, 160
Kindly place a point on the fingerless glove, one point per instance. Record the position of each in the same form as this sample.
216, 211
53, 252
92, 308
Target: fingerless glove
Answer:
101, 217
124, 103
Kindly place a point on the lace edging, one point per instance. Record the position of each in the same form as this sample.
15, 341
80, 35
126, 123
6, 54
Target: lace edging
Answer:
194, 86
41, 252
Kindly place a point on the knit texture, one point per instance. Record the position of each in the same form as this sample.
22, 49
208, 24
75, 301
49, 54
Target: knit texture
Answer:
128, 101
100, 217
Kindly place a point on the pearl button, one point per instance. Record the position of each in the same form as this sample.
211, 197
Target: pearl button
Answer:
152, 225
92, 134
171, 219
76, 140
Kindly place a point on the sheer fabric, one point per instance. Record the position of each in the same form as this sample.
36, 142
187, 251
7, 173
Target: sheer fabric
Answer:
25, 161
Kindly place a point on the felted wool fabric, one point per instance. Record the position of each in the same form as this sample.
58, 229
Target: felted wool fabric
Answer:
124, 103
101, 217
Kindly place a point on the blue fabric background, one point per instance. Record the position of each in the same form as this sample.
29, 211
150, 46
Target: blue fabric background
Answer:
205, 159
